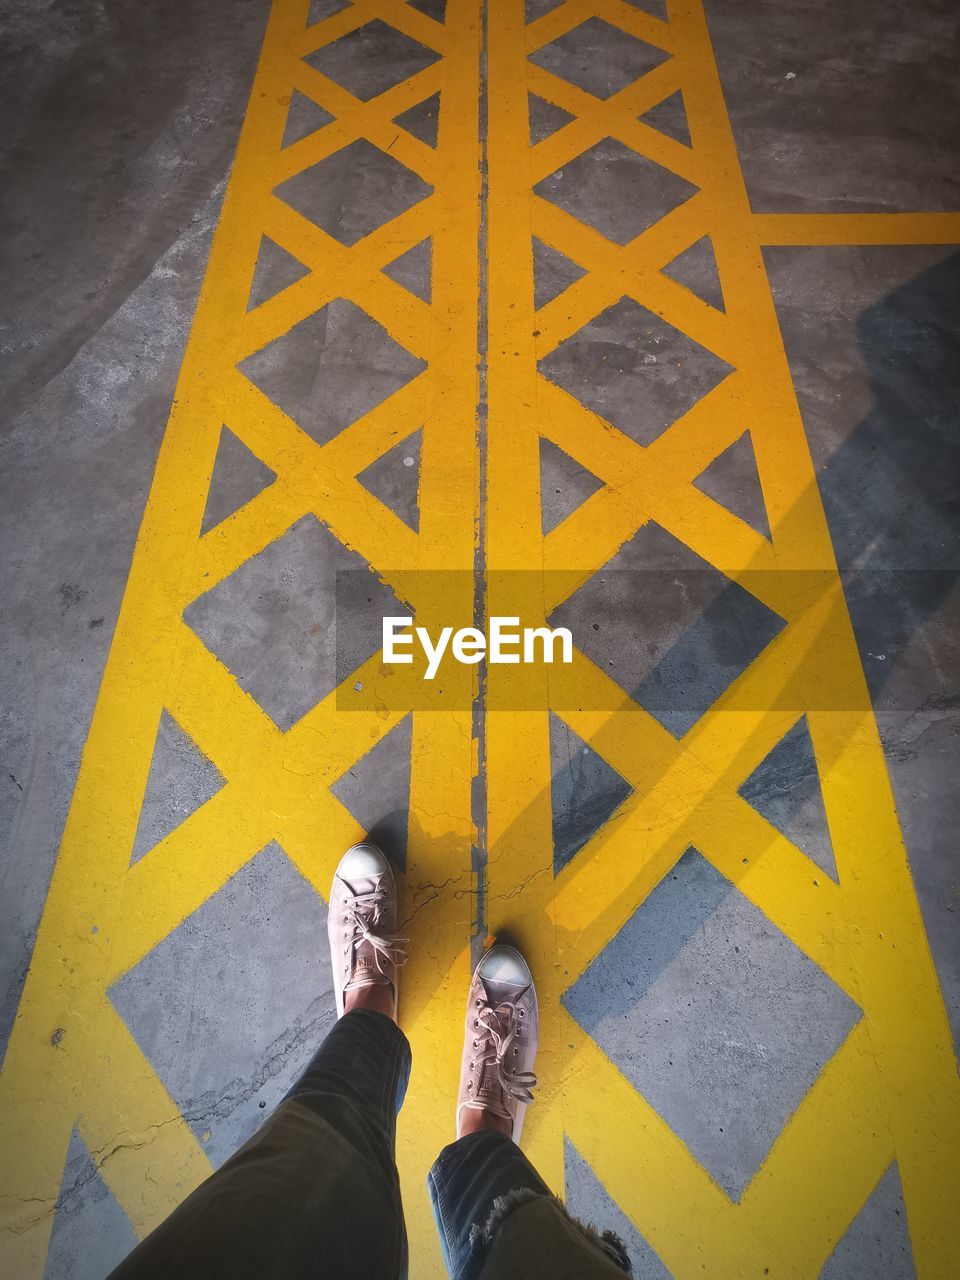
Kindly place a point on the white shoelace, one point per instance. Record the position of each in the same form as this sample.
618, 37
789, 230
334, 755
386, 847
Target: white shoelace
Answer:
501, 1025
362, 911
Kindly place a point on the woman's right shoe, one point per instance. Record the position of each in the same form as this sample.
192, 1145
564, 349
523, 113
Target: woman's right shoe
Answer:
500, 1040
361, 924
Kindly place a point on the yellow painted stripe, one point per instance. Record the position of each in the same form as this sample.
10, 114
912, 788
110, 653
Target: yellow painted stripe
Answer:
857, 228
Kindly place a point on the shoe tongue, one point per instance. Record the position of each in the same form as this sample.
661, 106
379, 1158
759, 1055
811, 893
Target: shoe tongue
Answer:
360, 885
489, 1088
365, 971
498, 991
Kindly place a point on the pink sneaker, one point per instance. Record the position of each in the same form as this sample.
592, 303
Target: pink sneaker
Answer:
500, 1044
361, 924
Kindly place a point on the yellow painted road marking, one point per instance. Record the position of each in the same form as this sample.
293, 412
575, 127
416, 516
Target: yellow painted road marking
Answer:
102, 916
890, 1091
857, 228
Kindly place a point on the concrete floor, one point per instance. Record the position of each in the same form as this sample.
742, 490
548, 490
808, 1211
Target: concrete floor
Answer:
123, 128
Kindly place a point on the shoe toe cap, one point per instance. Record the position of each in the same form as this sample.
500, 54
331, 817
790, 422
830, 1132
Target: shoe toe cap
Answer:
363, 861
504, 964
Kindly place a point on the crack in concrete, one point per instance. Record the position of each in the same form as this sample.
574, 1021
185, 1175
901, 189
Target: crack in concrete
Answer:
214, 1104
521, 886
219, 1103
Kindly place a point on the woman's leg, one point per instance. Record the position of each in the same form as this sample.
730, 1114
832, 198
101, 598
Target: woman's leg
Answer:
498, 1220
315, 1191
496, 1216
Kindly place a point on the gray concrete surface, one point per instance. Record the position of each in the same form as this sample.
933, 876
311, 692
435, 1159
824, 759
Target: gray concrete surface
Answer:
91, 1232
134, 115
238, 949
589, 1202
262, 621
627, 364
598, 57
670, 629
291, 373
353, 191
600, 188
181, 779
584, 791
841, 107
724, 1060
877, 1242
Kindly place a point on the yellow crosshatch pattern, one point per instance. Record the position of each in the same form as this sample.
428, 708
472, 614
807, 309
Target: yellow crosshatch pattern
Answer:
71, 1059
890, 1092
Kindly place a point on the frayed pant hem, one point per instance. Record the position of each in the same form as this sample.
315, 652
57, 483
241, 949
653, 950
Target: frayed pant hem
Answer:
607, 1242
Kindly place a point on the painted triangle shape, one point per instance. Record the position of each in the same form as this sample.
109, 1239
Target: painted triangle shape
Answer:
275, 271
732, 480
564, 484
656, 8
785, 789
877, 1242
303, 118
91, 1234
669, 117
534, 9
545, 118
181, 779
587, 1199
376, 791
585, 791
394, 478
552, 273
413, 269
435, 9
321, 9
216, 980
292, 368
422, 120
696, 269
238, 476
